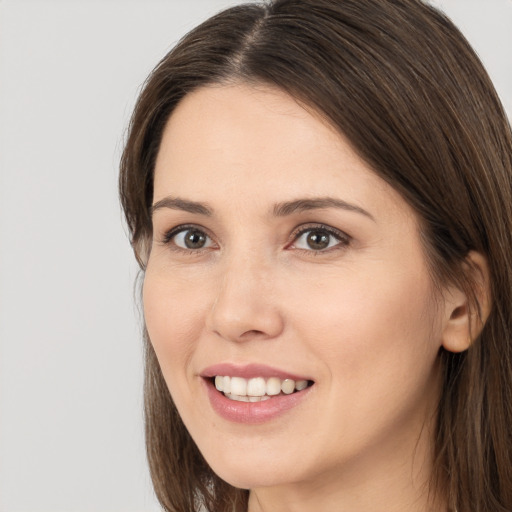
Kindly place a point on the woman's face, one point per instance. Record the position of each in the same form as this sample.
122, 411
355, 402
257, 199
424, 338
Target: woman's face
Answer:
279, 256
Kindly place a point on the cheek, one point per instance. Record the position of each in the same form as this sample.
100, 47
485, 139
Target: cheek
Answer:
376, 343
174, 320
369, 326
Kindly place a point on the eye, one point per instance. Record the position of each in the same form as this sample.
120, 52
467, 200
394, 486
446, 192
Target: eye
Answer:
189, 238
319, 239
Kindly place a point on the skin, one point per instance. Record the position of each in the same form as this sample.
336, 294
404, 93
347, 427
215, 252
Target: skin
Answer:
360, 318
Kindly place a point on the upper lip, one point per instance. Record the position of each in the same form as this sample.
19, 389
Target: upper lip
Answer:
249, 371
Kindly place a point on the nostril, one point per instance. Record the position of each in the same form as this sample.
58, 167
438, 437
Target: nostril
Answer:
252, 334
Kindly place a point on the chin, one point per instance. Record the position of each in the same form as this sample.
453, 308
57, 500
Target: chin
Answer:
244, 477
244, 471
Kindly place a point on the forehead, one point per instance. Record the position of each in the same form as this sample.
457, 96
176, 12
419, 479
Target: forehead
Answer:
244, 126
261, 145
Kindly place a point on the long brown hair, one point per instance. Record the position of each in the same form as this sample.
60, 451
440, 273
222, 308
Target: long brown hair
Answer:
406, 89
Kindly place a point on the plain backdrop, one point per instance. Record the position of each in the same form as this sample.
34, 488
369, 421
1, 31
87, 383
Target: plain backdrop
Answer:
71, 437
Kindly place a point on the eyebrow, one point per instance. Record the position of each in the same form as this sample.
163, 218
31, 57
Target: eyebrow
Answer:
175, 203
304, 205
279, 210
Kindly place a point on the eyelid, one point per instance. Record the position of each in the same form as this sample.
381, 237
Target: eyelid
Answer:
168, 235
343, 238
339, 235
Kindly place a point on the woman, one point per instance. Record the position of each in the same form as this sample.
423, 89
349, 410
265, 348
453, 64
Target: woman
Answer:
319, 196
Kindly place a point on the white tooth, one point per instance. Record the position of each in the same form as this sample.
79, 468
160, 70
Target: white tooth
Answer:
256, 386
258, 398
238, 386
238, 398
226, 385
288, 386
219, 381
301, 384
273, 386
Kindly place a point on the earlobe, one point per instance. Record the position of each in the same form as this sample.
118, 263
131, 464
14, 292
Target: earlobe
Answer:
465, 313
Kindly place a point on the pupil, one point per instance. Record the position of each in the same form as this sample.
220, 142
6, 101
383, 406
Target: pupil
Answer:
318, 240
195, 240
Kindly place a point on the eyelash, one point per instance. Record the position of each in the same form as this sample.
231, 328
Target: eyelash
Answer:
169, 236
342, 238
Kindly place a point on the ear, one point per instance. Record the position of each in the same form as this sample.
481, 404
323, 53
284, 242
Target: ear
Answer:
463, 320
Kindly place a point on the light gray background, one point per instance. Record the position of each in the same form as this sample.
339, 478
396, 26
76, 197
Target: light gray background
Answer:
70, 355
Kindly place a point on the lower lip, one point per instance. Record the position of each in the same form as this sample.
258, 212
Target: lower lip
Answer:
252, 412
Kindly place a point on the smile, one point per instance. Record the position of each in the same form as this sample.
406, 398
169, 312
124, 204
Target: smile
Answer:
257, 389
254, 393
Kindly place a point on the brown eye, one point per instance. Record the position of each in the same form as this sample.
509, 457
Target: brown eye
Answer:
195, 239
192, 239
319, 239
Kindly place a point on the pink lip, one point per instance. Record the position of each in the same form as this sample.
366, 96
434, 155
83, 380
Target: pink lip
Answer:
251, 412
249, 371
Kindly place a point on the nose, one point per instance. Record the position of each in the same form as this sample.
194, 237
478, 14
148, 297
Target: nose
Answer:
245, 305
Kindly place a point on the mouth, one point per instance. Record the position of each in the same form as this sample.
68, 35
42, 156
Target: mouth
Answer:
254, 393
257, 389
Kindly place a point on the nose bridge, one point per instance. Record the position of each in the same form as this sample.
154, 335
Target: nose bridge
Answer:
249, 262
245, 304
